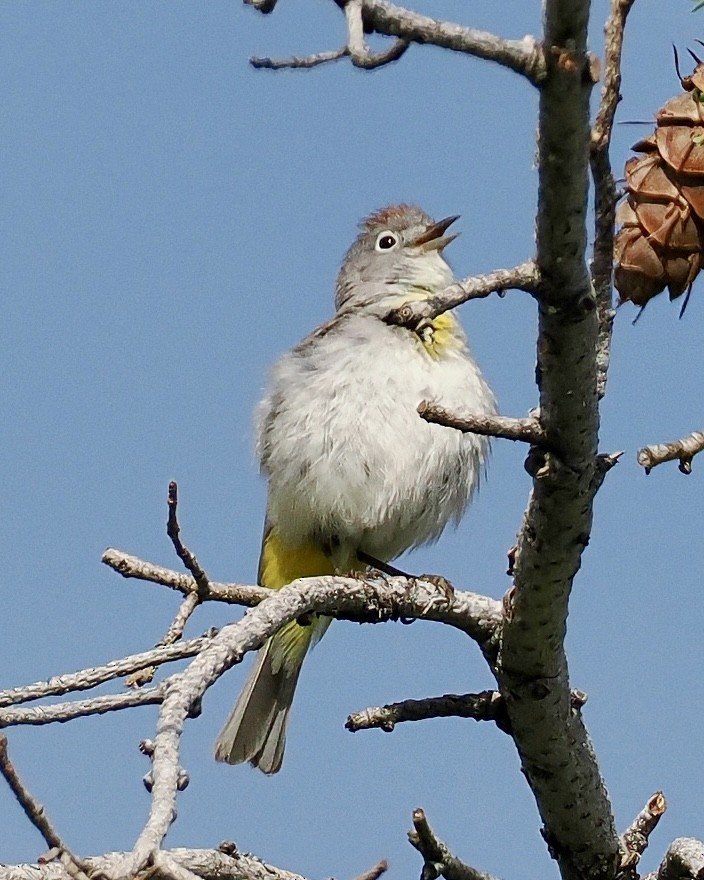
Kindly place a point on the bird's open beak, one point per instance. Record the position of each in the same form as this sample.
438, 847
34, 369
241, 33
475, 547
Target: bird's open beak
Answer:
434, 239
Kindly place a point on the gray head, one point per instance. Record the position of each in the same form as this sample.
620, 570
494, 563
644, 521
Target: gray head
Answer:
398, 251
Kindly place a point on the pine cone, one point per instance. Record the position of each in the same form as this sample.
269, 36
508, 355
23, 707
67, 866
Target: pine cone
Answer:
661, 239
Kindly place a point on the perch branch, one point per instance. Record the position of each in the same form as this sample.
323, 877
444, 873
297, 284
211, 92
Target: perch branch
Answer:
684, 450
208, 864
437, 858
365, 598
524, 277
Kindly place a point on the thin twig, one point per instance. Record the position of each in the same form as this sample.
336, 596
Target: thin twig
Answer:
86, 679
605, 197
635, 837
297, 62
484, 706
60, 712
684, 450
524, 277
527, 430
173, 530
438, 860
36, 814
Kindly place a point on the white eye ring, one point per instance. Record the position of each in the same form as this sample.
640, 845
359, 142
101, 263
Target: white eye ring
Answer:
386, 241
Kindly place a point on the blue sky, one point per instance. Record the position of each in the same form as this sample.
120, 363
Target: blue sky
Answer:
172, 220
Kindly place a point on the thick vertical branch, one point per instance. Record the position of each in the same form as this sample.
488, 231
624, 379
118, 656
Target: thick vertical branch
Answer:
556, 755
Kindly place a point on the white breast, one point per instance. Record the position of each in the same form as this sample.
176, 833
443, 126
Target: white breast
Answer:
347, 457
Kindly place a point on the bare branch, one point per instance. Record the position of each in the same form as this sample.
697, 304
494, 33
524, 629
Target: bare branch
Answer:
635, 837
205, 863
359, 51
484, 706
86, 679
374, 873
191, 601
605, 196
133, 567
555, 751
36, 814
439, 861
173, 530
365, 598
527, 430
524, 277
305, 62
684, 450
60, 712
684, 860
522, 56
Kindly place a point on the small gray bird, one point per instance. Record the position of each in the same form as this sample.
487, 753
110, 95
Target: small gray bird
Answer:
350, 465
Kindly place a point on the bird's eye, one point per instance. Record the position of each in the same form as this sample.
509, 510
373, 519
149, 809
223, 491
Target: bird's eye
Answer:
386, 241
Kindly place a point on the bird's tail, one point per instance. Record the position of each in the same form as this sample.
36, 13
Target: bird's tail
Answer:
256, 728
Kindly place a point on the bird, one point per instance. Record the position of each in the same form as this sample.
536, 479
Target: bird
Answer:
352, 469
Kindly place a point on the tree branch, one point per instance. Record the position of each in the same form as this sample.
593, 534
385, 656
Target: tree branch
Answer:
635, 838
360, 53
684, 450
369, 598
485, 706
605, 196
438, 860
60, 712
208, 864
524, 277
527, 430
86, 679
553, 745
684, 860
522, 56
132, 567
36, 814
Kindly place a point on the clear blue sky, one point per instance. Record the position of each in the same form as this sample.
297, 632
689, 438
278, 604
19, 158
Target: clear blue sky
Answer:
171, 221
